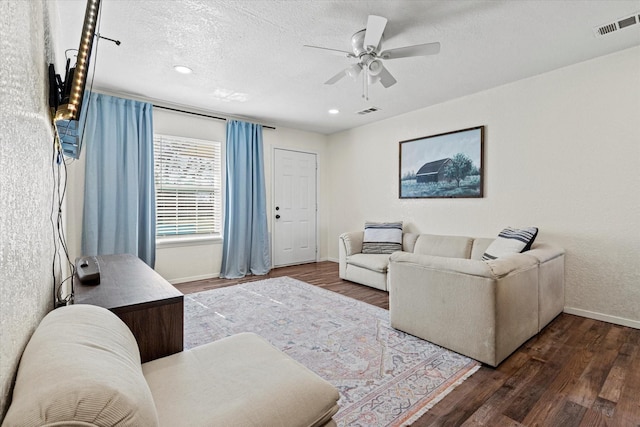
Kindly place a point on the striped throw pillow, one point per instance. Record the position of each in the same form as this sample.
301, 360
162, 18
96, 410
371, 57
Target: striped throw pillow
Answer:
382, 237
511, 241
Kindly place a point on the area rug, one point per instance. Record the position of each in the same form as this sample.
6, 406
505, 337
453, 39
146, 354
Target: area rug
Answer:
385, 377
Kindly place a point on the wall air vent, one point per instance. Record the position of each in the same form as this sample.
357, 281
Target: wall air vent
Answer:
368, 110
618, 24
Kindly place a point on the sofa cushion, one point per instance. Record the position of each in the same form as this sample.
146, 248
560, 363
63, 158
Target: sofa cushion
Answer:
382, 237
374, 262
81, 367
241, 380
445, 246
511, 241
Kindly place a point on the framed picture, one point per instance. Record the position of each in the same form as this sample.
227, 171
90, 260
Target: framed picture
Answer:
448, 165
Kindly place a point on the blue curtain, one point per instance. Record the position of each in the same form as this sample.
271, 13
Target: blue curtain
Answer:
245, 248
119, 191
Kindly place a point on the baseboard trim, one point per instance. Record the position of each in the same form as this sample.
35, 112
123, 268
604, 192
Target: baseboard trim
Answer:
193, 278
333, 259
604, 317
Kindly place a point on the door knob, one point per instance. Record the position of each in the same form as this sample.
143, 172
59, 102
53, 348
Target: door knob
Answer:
277, 216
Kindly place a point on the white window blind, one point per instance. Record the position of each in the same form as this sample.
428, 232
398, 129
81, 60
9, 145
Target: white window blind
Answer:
188, 186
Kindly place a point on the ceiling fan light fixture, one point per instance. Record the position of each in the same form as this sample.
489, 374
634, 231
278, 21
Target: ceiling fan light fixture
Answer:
375, 67
354, 71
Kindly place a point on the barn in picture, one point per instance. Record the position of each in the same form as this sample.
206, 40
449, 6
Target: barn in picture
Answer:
433, 171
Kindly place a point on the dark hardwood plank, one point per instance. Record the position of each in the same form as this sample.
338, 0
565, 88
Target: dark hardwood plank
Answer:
571, 415
491, 412
575, 372
615, 380
595, 419
573, 357
628, 406
582, 390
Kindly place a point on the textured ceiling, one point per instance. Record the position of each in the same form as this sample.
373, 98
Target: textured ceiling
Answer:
248, 58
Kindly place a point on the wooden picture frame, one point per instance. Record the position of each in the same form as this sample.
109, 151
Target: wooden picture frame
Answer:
447, 165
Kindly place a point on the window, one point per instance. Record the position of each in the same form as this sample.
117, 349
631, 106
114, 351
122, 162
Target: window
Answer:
188, 186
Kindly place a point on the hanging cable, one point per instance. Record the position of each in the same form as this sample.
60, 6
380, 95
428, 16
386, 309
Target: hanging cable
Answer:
59, 172
59, 166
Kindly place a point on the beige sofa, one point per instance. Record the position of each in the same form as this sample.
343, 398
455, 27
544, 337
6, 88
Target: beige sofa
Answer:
444, 293
366, 269
82, 367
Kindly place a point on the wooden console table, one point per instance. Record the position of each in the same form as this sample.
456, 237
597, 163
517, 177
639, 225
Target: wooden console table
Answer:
149, 305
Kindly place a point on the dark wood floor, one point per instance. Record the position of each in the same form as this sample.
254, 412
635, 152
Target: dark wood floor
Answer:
576, 372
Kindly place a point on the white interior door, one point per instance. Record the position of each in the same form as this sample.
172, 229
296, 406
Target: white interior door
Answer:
295, 207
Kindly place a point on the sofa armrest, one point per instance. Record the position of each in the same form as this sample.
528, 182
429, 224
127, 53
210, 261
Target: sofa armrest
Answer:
493, 269
81, 367
348, 244
509, 264
545, 252
352, 242
409, 241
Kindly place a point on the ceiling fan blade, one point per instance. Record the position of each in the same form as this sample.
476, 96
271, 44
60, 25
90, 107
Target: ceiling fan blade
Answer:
375, 28
386, 79
333, 51
335, 78
408, 51
351, 71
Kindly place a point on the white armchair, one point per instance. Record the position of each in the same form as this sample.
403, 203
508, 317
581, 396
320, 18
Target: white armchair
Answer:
366, 269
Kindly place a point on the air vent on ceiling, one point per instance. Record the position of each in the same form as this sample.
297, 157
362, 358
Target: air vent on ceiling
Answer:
618, 24
369, 110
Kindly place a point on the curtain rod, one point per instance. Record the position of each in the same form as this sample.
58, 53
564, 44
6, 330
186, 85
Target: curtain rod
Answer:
200, 114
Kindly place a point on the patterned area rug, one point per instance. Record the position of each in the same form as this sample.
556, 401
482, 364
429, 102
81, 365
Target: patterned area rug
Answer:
385, 377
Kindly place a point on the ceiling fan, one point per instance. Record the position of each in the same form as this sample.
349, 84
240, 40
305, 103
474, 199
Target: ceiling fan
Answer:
366, 45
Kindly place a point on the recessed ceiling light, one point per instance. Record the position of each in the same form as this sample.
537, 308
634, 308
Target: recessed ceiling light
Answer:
334, 111
182, 69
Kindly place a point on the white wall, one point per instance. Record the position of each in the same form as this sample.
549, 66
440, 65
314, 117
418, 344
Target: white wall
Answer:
562, 152
202, 260
26, 183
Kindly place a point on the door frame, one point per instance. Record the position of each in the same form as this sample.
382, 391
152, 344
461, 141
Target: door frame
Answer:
273, 196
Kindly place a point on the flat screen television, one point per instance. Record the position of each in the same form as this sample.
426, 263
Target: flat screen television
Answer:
65, 98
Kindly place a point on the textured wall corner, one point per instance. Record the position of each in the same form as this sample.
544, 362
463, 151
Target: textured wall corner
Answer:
26, 183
